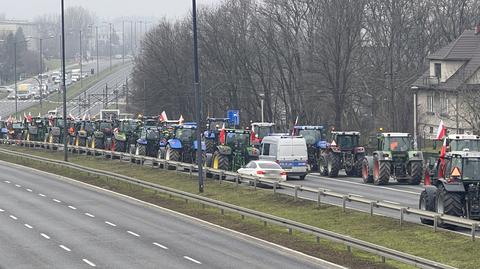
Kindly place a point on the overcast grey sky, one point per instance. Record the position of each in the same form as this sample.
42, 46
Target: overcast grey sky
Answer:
28, 9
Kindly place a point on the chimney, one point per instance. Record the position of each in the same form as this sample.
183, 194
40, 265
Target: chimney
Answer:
477, 29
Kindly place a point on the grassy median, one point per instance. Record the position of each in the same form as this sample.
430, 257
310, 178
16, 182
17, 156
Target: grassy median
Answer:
445, 247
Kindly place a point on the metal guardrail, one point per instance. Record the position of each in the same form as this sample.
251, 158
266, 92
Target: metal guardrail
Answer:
438, 219
266, 218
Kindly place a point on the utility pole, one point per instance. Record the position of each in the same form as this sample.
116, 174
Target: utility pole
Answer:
65, 133
144, 97
126, 94
81, 56
15, 75
198, 101
123, 42
41, 74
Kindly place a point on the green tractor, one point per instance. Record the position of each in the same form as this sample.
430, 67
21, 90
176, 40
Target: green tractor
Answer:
235, 151
344, 152
85, 129
394, 157
125, 134
36, 129
101, 137
55, 130
454, 186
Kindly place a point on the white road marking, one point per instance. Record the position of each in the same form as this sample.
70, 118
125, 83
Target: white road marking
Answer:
28, 226
45, 236
132, 233
6, 181
72, 207
90, 215
159, 245
111, 224
390, 202
1, 210
43, 195
89, 262
13, 217
18, 186
29, 190
65, 248
192, 260
55, 200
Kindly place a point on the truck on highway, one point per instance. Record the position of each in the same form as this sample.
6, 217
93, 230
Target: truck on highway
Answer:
76, 75
25, 91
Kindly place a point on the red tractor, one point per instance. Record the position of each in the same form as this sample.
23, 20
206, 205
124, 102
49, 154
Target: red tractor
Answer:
344, 152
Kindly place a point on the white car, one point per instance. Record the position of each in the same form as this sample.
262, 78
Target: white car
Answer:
264, 169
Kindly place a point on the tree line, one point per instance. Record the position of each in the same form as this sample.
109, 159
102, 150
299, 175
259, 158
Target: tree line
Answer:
343, 63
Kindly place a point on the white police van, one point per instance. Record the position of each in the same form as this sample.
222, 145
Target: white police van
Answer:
290, 152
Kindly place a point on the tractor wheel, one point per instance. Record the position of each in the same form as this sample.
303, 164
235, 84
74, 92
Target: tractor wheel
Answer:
333, 164
427, 203
322, 165
132, 149
450, 203
358, 165
220, 162
172, 155
99, 143
367, 178
55, 139
119, 146
381, 172
210, 145
161, 153
82, 142
416, 170
141, 150
350, 170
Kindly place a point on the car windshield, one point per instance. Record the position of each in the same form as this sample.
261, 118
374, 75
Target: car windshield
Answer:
347, 141
311, 136
271, 165
471, 169
460, 145
185, 134
397, 143
262, 131
238, 139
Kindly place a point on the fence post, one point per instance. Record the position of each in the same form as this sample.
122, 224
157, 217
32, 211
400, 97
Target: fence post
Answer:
319, 195
275, 184
237, 179
402, 212
255, 184
474, 230
296, 193
344, 203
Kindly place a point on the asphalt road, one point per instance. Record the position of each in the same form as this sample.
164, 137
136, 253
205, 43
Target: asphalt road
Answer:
7, 107
53, 223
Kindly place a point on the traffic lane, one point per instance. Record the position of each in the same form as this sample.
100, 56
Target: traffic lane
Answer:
22, 247
182, 236
84, 234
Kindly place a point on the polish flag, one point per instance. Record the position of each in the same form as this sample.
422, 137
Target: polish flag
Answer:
443, 152
294, 124
181, 120
163, 116
221, 137
441, 131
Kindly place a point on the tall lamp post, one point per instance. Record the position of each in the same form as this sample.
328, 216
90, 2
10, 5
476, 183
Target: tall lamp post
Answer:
65, 133
415, 92
198, 101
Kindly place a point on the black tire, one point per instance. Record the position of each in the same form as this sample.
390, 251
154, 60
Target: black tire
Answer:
450, 203
366, 176
427, 203
333, 164
381, 172
358, 165
416, 171
99, 144
210, 145
119, 146
55, 139
220, 162
302, 177
173, 154
322, 166
141, 150
82, 142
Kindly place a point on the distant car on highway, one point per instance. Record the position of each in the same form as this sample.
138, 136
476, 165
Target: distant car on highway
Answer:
43, 77
25, 91
264, 169
6, 88
11, 96
118, 56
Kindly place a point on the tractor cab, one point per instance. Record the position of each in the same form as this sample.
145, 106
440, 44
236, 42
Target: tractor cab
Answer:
455, 187
15, 130
260, 130
394, 142
36, 129
315, 137
459, 142
182, 146
346, 141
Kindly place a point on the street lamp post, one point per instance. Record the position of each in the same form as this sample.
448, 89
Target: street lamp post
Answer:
415, 89
123, 42
198, 101
262, 96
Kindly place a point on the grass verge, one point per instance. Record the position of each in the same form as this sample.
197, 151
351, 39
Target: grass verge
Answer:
410, 238
72, 91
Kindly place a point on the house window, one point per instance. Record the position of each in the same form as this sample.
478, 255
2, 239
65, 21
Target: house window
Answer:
444, 103
431, 129
430, 103
438, 70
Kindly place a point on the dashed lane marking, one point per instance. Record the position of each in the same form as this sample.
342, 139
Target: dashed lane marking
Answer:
72, 207
13, 217
45, 236
65, 248
90, 215
160, 245
192, 260
134, 234
89, 262
28, 226
111, 224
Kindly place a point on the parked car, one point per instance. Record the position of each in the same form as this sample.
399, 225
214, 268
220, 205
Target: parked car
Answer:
290, 152
264, 169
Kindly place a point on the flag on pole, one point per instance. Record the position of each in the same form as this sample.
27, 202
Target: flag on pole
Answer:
221, 137
163, 116
443, 152
181, 120
441, 131
295, 124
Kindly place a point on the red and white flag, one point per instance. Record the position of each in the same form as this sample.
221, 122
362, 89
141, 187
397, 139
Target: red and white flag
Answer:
163, 116
84, 118
441, 131
181, 120
295, 124
221, 136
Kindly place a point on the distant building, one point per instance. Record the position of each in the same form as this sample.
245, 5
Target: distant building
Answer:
452, 70
11, 26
